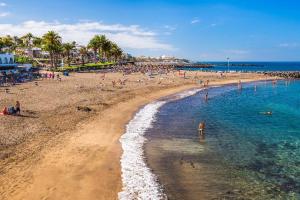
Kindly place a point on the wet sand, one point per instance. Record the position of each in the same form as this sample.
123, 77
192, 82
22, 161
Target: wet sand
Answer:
55, 151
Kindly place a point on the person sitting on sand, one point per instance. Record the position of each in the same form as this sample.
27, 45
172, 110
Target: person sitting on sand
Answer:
4, 112
18, 108
11, 110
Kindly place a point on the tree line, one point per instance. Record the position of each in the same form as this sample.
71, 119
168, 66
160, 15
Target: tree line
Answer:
51, 42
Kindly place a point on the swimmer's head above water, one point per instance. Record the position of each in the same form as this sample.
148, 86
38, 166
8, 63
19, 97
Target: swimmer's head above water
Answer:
267, 113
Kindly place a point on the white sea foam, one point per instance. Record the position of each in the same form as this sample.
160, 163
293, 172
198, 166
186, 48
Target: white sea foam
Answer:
188, 93
139, 183
138, 180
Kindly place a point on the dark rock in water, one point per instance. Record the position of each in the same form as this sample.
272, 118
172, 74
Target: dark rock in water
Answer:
192, 164
290, 185
181, 161
84, 108
229, 192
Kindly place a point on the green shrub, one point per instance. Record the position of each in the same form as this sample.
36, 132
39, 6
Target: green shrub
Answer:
23, 60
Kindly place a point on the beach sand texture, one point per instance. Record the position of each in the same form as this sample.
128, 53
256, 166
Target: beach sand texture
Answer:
57, 151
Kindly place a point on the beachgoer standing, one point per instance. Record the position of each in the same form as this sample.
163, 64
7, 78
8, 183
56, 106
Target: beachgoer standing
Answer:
240, 84
206, 96
18, 108
201, 128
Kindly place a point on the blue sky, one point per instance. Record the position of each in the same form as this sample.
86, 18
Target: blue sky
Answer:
205, 30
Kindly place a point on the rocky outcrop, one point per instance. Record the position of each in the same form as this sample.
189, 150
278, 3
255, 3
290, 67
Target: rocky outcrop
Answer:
283, 74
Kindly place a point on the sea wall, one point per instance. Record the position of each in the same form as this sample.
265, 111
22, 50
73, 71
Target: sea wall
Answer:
287, 74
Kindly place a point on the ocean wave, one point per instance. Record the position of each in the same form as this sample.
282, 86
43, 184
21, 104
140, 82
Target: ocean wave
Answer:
138, 180
188, 93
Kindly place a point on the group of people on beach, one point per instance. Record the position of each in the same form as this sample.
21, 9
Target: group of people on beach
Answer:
14, 78
12, 110
50, 75
143, 68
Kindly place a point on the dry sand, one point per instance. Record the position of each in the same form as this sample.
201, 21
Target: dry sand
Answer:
55, 151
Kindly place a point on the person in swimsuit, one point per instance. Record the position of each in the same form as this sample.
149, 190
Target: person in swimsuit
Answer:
201, 129
206, 96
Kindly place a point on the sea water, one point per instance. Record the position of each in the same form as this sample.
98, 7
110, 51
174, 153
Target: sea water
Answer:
251, 66
245, 154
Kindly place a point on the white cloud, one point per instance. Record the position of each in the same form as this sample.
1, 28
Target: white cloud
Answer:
287, 45
170, 28
132, 36
213, 25
195, 21
4, 14
2, 4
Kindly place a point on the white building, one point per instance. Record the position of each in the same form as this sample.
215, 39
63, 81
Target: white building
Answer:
7, 62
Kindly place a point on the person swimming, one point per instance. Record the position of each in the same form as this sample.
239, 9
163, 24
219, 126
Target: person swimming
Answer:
267, 113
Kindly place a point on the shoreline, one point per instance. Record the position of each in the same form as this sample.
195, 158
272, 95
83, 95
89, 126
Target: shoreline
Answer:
86, 163
137, 177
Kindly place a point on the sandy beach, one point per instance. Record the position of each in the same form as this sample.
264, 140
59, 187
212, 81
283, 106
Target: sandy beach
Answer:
66, 143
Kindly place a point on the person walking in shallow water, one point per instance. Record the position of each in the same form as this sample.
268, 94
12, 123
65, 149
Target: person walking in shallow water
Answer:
206, 96
201, 129
240, 85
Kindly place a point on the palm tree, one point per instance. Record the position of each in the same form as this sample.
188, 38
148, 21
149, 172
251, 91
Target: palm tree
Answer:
106, 47
115, 52
83, 53
51, 42
67, 48
1, 44
37, 41
27, 41
8, 43
94, 45
18, 42
101, 41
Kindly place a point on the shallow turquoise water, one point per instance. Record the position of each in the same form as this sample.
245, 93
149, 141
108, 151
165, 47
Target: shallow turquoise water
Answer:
245, 155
